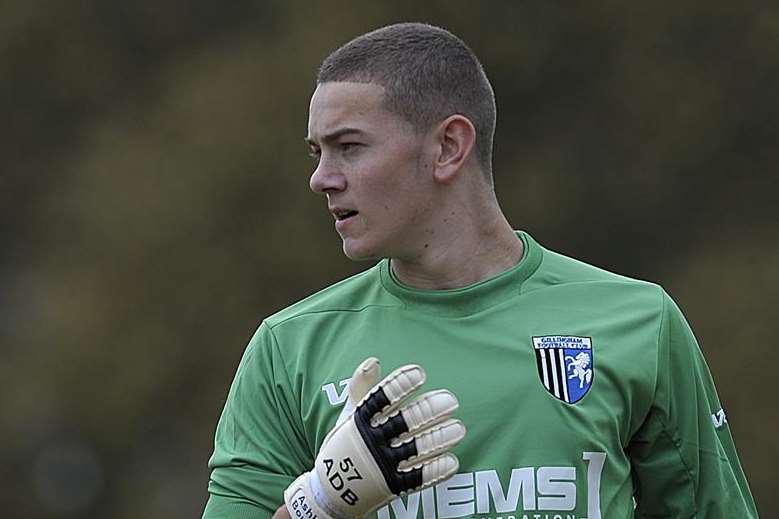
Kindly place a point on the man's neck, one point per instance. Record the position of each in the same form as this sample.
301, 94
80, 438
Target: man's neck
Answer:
469, 255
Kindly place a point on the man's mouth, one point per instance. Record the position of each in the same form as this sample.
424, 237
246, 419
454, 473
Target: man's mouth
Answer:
344, 214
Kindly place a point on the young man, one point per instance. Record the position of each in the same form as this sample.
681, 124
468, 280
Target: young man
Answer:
584, 393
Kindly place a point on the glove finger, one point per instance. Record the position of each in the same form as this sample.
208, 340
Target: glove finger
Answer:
429, 444
429, 409
432, 472
425, 411
364, 378
438, 469
390, 393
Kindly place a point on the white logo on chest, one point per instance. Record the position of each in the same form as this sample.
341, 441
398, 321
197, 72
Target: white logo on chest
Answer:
333, 395
530, 493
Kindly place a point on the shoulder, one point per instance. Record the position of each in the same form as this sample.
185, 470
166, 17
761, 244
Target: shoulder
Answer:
353, 294
560, 276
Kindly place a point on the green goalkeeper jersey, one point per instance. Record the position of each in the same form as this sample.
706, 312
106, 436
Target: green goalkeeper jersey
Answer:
584, 393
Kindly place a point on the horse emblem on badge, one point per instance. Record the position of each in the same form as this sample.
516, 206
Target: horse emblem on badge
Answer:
565, 365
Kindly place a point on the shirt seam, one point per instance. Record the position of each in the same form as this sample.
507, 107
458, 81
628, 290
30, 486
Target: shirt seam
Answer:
329, 310
297, 398
667, 430
633, 282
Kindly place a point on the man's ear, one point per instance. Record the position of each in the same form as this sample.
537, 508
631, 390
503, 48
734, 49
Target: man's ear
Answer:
455, 139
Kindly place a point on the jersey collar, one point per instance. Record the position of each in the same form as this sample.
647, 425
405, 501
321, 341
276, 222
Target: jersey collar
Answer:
460, 302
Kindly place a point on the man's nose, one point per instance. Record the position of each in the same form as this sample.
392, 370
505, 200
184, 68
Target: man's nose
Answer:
327, 178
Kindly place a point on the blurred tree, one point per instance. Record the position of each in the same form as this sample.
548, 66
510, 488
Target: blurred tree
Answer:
154, 206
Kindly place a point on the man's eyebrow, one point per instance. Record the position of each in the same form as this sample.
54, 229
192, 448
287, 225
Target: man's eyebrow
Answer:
330, 137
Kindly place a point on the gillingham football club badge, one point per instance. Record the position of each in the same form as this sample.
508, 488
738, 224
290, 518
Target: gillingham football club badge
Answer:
564, 365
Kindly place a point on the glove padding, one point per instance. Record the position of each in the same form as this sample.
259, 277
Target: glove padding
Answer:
386, 447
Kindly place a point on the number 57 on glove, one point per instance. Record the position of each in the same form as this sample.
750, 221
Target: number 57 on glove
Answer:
384, 445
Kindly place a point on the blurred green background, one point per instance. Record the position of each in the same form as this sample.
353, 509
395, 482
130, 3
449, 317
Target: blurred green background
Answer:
154, 207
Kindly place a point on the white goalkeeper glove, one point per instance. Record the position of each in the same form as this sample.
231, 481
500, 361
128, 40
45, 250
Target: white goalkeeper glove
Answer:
384, 448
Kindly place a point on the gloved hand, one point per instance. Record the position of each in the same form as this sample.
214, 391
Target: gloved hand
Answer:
382, 446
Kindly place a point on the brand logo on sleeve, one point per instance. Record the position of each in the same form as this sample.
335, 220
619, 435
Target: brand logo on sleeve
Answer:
719, 419
565, 365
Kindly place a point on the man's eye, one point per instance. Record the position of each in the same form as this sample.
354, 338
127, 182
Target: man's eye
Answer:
315, 154
348, 146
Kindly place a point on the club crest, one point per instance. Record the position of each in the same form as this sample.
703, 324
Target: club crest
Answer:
565, 365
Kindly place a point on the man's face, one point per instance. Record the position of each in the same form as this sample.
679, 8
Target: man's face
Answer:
371, 167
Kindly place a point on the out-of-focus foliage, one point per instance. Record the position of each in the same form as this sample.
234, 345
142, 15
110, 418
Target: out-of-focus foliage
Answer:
154, 207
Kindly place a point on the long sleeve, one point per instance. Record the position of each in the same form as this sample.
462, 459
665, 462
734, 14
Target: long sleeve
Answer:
683, 457
259, 447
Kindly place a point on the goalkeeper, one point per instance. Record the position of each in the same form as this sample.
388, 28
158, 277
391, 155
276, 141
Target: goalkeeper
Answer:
552, 389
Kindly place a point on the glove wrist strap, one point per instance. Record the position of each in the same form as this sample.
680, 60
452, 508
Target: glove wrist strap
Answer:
304, 499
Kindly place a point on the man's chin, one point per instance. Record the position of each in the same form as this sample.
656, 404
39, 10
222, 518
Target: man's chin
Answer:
356, 253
